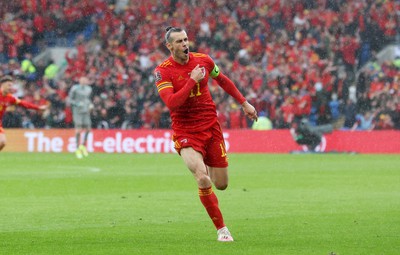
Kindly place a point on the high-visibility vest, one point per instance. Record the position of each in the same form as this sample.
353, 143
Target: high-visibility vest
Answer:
51, 71
27, 66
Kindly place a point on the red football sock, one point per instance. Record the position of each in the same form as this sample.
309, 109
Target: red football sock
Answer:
210, 202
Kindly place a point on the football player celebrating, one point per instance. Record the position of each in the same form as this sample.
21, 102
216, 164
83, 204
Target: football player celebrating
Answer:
7, 99
182, 83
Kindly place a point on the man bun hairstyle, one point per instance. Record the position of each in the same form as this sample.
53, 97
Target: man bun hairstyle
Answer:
169, 31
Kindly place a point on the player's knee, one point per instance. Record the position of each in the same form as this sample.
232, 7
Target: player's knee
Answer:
221, 185
2, 145
204, 181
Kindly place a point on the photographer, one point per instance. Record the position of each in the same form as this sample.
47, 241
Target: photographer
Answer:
305, 134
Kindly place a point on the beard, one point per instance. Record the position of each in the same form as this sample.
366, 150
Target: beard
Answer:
181, 55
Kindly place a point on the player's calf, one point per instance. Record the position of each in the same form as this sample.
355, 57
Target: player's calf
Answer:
2, 141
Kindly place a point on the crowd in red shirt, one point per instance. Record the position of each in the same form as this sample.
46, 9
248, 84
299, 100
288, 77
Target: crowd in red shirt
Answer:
291, 59
25, 22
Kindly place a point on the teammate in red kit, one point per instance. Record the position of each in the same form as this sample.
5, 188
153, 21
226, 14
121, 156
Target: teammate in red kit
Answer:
7, 99
182, 82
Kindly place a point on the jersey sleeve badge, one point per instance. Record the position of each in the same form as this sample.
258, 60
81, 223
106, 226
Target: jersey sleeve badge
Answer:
157, 76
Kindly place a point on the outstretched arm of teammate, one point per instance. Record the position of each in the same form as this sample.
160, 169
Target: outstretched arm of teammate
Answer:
174, 100
28, 105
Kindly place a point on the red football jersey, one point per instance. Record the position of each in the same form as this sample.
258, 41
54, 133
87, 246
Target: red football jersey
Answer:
5, 101
198, 112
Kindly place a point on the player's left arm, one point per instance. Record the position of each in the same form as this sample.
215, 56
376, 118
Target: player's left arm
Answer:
227, 84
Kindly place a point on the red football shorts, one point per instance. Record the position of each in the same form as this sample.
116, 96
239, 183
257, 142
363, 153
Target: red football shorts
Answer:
210, 143
1, 130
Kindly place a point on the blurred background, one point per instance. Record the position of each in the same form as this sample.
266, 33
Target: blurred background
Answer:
329, 61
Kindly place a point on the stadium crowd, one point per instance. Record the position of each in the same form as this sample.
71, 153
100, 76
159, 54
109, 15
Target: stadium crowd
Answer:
291, 59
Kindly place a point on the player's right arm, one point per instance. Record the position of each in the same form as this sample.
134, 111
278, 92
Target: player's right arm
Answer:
174, 99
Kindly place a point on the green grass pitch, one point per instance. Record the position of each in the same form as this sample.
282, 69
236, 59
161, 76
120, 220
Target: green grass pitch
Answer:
148, 204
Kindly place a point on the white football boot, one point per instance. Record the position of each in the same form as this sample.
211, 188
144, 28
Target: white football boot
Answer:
224, 235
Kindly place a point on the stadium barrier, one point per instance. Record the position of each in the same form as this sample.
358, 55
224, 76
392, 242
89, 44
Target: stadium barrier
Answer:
159, 141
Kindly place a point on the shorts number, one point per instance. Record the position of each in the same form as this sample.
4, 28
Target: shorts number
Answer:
223, 150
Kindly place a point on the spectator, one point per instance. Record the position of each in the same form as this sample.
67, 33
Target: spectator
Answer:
335, 107
350, 112
28, 68
115, 113
364, 121
50, 73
